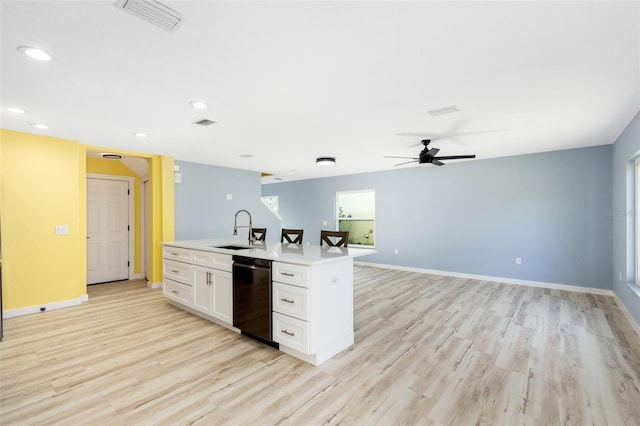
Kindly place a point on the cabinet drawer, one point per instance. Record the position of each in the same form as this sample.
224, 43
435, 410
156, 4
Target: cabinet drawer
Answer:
176, 253
291, 332
220, 261
177, 271
291, 274
291, 300
177, 291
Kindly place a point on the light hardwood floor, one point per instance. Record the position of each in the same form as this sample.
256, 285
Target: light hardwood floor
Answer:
429, 350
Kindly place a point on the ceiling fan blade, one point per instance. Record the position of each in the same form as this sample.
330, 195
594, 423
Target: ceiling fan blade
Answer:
432, 152
409, 158
406, 162
454, 157
445, 135
437, 163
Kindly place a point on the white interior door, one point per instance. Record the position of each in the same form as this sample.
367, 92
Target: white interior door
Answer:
107, 230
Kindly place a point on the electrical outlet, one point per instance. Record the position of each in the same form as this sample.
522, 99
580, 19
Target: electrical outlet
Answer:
395, 251
518, 261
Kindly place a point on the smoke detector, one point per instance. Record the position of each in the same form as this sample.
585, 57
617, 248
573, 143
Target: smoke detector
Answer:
153, 12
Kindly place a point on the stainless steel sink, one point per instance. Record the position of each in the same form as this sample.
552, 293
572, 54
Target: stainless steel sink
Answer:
231, 247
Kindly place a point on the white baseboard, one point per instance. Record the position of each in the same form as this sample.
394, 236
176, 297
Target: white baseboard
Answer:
540, 284
154, 286
84, 297
47, 307
626, 313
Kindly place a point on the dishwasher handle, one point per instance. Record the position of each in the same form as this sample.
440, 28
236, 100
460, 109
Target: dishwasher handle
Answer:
242, 265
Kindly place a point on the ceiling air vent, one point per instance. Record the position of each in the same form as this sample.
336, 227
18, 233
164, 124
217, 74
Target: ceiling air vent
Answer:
153, 12
443, 111
204, 122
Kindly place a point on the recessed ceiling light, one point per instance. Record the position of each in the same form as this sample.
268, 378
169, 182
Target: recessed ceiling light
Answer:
40, 126
198, 105
246, 156
140, 134
17, 110
325, 161
34, 53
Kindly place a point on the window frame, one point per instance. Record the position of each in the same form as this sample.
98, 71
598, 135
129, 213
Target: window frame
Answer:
636, 205
373, 218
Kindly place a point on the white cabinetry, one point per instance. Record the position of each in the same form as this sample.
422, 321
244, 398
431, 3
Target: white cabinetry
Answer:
213, 293
313, 309
200, 281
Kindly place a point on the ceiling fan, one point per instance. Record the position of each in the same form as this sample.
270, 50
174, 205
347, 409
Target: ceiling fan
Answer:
428, 156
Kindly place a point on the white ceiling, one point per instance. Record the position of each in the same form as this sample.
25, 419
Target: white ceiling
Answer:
290, 81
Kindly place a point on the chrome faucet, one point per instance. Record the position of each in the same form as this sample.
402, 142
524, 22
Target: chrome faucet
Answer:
252, 239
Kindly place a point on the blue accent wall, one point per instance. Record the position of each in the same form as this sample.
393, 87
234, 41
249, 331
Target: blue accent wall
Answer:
201, 207
626, 148
477, 216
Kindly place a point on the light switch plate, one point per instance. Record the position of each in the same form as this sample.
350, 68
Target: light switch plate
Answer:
62, 229
229, 196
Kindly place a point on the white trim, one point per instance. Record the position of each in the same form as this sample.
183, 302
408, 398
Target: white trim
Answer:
84, 297
625, 311
144, 180
132, 223
539, 284
48, 307
636, 220
336, 213
154, 286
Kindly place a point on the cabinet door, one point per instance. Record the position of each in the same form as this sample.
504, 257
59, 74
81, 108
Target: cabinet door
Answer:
222, 296
202, 289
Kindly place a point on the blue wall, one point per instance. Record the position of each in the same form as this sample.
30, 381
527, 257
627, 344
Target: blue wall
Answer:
477, 216
624, 151
201, 207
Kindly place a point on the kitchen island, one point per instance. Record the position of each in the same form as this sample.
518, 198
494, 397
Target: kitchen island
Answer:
312, 290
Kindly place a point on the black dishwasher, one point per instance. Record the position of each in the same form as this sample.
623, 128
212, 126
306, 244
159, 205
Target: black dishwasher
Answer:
252, 297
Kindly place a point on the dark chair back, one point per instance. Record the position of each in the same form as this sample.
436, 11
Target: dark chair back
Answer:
334, 238
259, 233
292, 236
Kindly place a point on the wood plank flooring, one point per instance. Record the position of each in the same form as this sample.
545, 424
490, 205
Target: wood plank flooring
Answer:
429, 350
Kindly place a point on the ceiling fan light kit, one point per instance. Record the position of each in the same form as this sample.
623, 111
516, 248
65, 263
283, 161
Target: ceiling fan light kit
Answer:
325, 161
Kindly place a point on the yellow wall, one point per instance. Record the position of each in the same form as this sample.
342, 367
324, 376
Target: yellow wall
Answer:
43, 184
39, 191
116, 168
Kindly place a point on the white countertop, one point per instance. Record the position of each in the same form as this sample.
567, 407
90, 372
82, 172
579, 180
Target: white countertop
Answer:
303, 254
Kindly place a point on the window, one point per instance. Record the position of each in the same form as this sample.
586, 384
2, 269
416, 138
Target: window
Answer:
356, 211
271, 201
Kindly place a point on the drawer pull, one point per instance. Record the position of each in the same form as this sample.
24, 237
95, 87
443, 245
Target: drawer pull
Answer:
174, 254
289, 333
175, 271
284, 299
287, 274
174, 292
